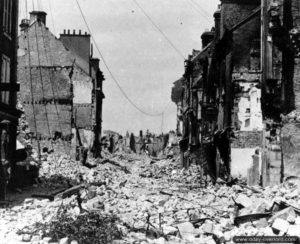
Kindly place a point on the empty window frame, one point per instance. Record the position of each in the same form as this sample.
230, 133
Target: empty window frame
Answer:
5, 78
7, 17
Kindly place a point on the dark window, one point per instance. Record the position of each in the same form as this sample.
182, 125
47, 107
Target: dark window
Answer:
7, 17
247, 122
5, 78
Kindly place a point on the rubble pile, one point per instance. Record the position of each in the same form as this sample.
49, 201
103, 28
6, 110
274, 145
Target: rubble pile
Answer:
293, 116
90, 227
155, 202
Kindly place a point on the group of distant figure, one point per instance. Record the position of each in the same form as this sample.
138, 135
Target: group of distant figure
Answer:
149, 144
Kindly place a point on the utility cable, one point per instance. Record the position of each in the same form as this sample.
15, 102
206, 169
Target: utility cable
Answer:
52, 84
110, 72
26, 9
42, 83
51, 13
33, 7
206, 14
32, 96
157, 27
38, 5
195, 8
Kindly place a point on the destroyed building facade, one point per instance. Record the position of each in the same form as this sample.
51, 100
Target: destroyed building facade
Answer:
8, 88
59, 80
237, 100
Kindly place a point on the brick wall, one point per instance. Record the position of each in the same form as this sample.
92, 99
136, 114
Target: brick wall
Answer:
47, 83
59, 120
291, 131
233, 12
51, 65
80, 45
291, 148
83, 116
52, 51
297, 83
247, 139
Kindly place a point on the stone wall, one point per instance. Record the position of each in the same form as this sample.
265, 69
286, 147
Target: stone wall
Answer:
59, 118
49, 74
291, 148
247, 139
233, 12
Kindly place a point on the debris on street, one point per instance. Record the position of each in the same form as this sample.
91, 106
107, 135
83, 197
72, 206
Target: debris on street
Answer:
147, 203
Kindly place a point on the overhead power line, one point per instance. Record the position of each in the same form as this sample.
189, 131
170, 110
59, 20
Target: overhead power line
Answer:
51, 13
109, 70
206, 14
195, 7
157, 27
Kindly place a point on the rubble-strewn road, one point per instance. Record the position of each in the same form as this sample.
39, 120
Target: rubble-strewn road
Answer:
156, 201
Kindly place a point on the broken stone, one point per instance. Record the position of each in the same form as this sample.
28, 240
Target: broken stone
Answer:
292, 194
243, 200
280, 225
262, 223
291, 219
186, 230
169, 230
64, 240
268, 231
227, 236
26, 238
208, 227
161, 240
35, 238
283, 214
293, 230
47, 239
209, 240
138, 236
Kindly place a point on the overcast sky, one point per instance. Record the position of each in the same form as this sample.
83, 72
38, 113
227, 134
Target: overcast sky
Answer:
142, 60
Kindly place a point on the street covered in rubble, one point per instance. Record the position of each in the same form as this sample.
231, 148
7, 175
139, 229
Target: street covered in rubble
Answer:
139, 199
162, 121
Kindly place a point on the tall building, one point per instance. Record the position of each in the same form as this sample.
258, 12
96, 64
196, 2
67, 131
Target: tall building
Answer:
58, 84
8, 88
239, 96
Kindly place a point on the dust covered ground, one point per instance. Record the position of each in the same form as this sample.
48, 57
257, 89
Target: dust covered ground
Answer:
129, 198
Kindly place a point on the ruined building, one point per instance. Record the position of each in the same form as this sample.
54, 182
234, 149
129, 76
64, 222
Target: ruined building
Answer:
238, 98
60, 85
8, 88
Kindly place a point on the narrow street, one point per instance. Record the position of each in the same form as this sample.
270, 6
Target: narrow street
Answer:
145, 200
137, 121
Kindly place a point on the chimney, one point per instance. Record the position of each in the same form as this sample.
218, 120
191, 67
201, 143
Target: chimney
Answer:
217, 17
80, 46
39, 16
24, 24
207, 37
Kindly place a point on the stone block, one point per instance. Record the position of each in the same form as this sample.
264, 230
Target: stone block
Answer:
186, 230
64, 240
244, 200
26, 238
284, 214
208, 227
280, 225
262, 223
293, 230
